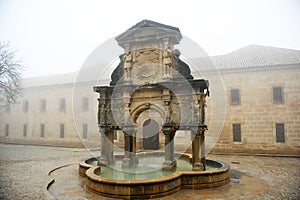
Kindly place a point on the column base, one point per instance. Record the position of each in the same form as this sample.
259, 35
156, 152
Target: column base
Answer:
103, 161
169, 165
198, 167
127, 162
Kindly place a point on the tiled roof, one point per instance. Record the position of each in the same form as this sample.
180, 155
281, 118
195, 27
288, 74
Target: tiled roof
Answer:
250, 56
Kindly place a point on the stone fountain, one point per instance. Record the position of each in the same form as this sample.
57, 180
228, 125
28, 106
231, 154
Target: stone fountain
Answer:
151, 78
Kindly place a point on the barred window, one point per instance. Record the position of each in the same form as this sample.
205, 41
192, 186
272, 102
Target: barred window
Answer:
62, 104
85, 103
236, 130
7, 107
280, 133
84, 131
43, 105
42, 130
25, 106
62, 130
24, 130
277, 95
6, 129
235, 97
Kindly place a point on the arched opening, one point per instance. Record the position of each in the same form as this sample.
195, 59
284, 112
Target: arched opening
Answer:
150, 135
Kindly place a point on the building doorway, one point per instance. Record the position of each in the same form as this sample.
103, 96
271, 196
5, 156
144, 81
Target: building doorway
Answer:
150, 135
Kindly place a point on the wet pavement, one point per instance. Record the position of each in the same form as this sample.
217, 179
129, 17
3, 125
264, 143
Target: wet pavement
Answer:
24, 175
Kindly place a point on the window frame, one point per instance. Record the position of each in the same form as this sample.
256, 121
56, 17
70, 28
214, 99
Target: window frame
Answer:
277, 132
24, 130
234, 129
274, 99
25, 106
42, 130
232, 102
85, 131
62, 131
43, 105
62, 105
85, 103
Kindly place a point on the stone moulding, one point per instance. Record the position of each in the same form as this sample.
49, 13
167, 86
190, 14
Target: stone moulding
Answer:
153, 188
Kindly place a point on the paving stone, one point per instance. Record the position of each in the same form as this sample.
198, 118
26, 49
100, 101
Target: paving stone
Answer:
23, 174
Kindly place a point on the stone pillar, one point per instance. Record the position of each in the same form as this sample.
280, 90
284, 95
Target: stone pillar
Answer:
126, 159
196, 143
169, 162
130, 157
107, 154
202, 149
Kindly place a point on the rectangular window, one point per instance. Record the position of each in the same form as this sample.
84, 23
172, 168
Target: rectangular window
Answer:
280, 133
84, 131
85, 103
24, 130
25, 106
7, 107
277, 95
235, 96
43, 105
62, 131
236, 130
6, 129
42, 133
62, 104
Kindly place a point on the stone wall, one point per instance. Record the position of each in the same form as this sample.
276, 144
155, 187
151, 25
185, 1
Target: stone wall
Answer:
257, 114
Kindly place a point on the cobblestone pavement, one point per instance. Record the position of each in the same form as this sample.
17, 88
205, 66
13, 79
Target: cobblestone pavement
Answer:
23, 174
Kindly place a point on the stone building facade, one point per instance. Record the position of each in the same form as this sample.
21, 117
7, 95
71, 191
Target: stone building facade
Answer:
261, 92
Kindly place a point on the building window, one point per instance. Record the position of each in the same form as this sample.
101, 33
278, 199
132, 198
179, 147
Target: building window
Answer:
62, 104
25, 106
24, 130
236, 130
6, 129
280, 133
85, 103
42, 130
62, 131
84, 131
235, 96
7, 107
43, 105
277, 95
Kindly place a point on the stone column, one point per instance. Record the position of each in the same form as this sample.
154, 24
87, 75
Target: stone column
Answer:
202, 149
169, 162
107, 139
130, 157
126, 159
196, 161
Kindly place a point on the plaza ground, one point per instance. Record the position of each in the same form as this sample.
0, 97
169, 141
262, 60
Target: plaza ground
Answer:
24, 175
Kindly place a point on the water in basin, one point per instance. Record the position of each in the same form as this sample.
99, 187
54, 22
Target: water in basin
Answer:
149, 167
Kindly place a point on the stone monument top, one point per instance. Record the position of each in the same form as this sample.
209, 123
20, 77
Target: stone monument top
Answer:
149, 32
149, 56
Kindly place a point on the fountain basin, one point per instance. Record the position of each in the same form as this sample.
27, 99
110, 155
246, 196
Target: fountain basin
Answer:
131, 185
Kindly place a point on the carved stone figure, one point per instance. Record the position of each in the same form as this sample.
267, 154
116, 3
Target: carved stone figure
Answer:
127, 64
167, 60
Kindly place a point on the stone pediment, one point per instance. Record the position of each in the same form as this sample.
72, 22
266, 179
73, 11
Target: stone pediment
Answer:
149, 30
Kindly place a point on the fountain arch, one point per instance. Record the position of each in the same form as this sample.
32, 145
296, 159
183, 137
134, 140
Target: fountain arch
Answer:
150, 134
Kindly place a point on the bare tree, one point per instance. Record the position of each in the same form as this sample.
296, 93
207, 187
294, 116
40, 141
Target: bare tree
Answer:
10, 75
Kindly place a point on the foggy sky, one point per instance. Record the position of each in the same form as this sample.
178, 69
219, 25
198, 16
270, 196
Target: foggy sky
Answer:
57, 36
